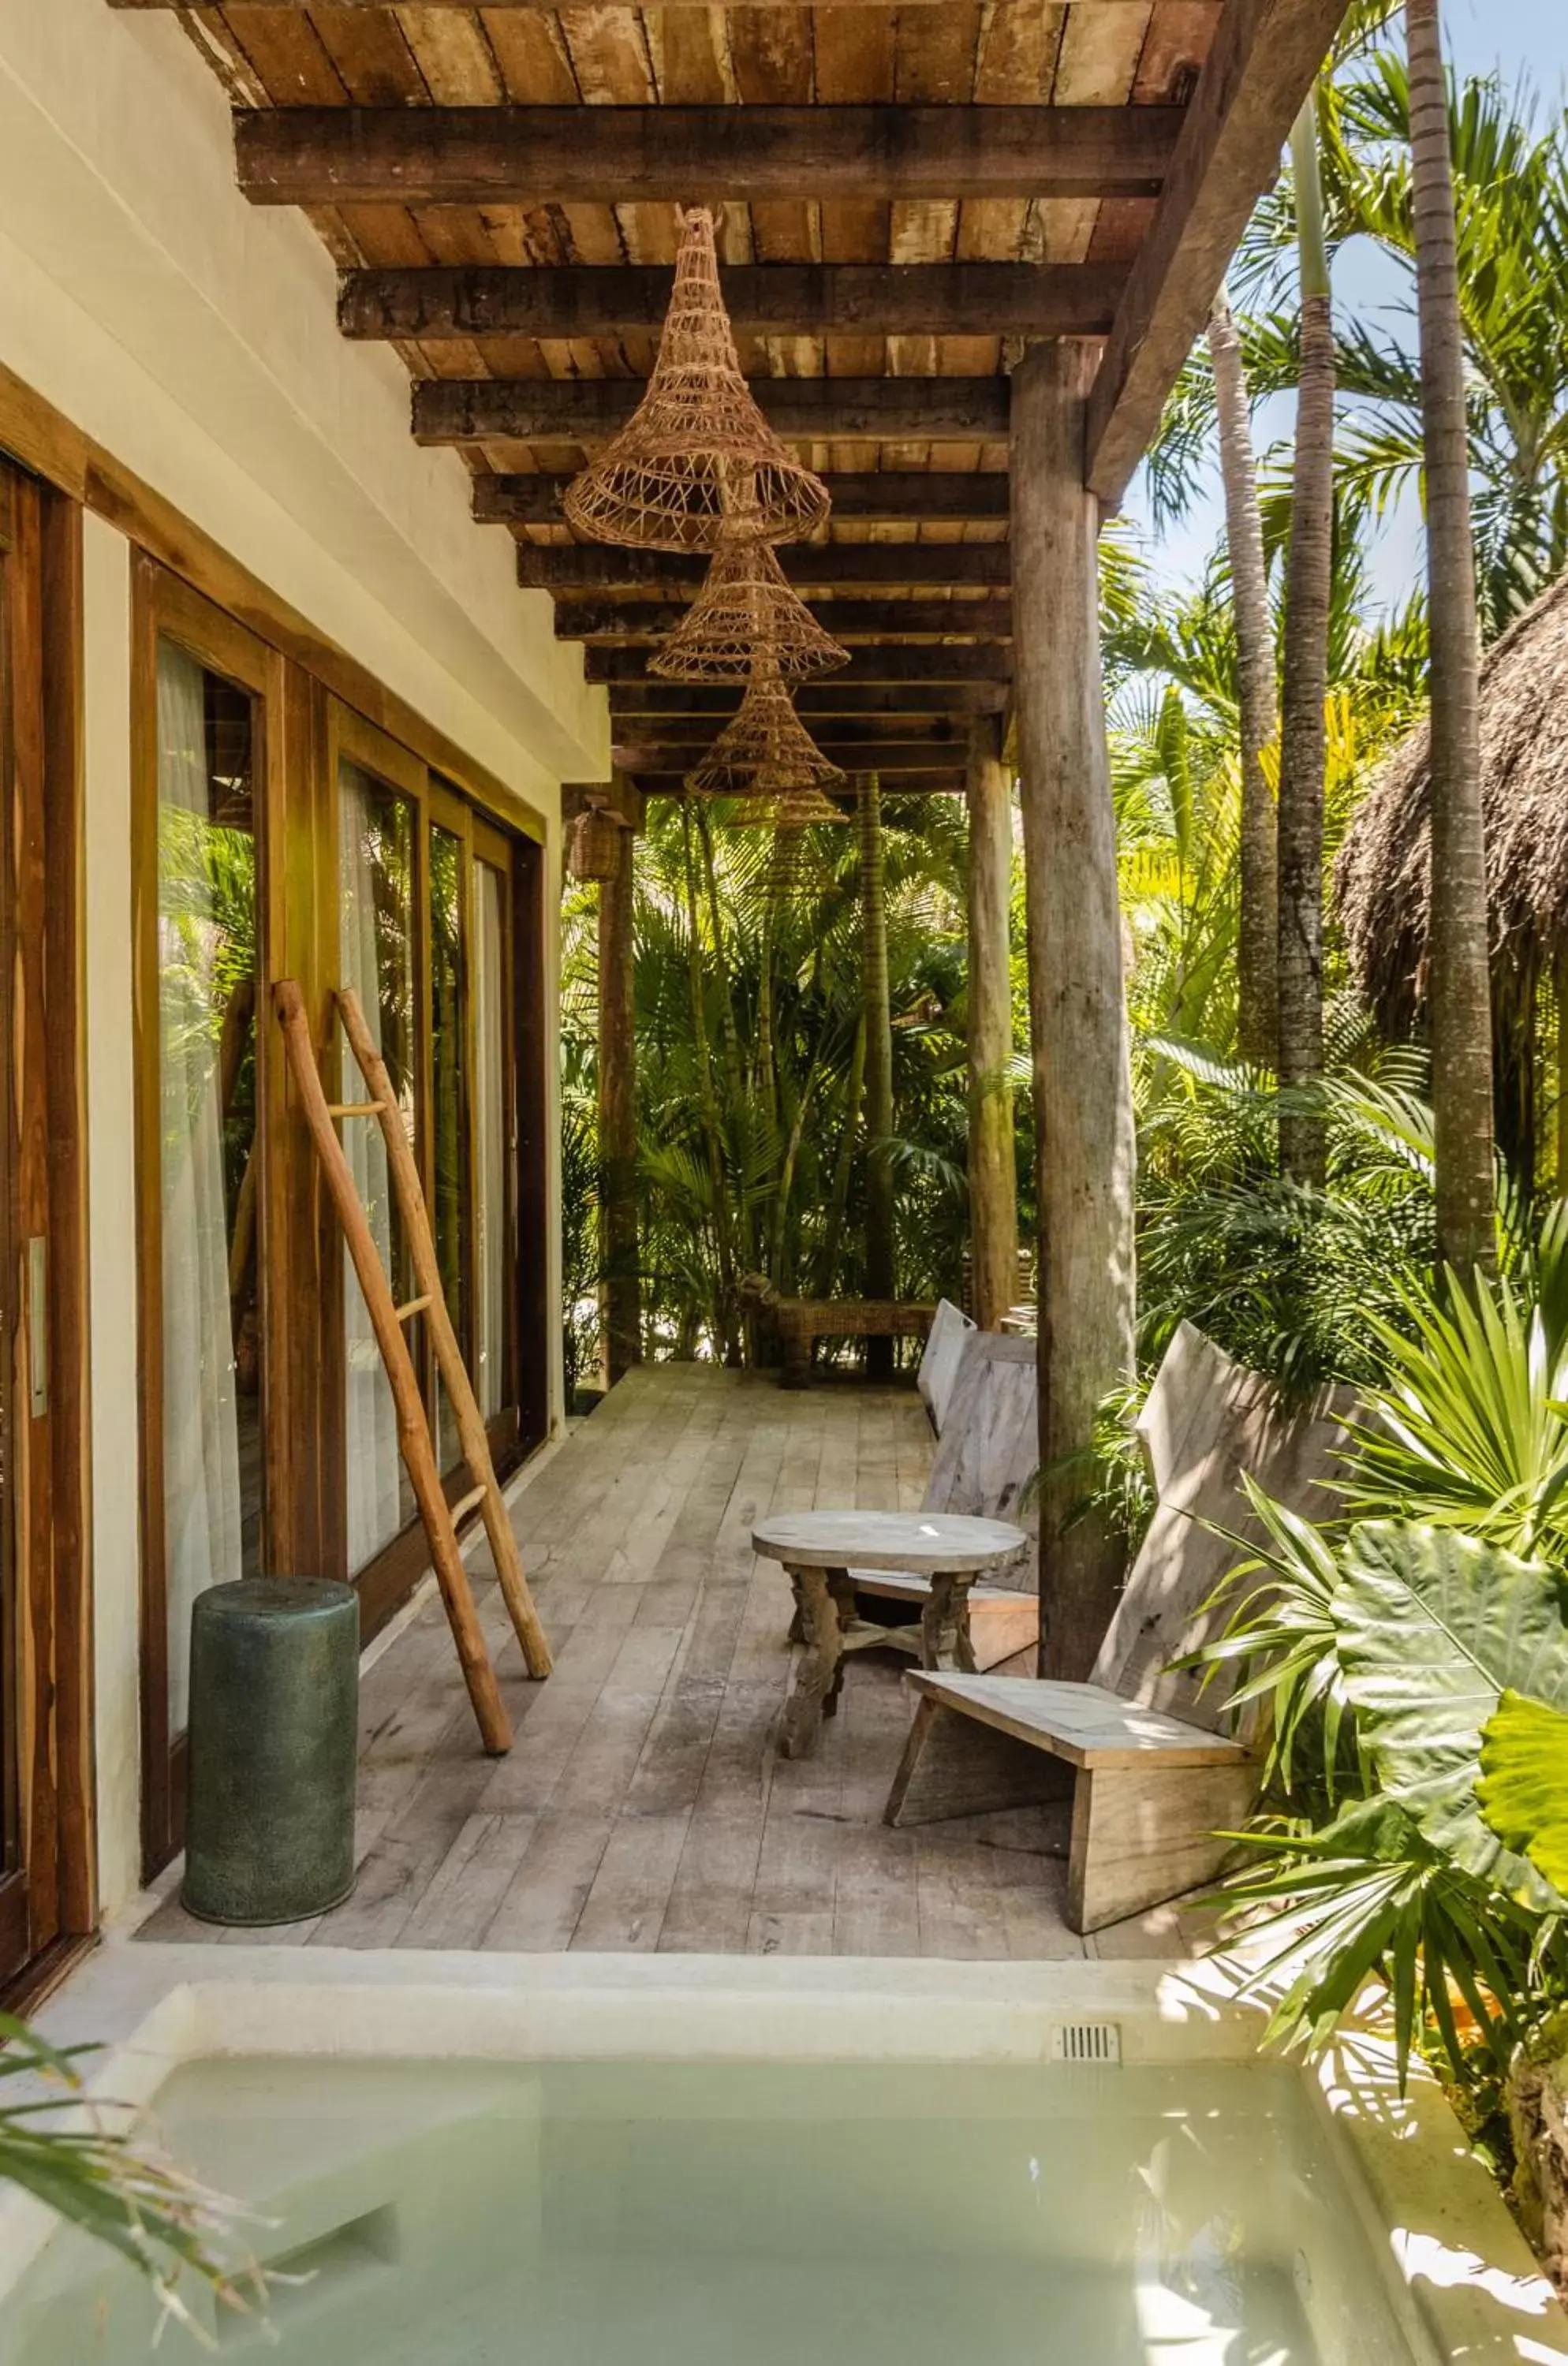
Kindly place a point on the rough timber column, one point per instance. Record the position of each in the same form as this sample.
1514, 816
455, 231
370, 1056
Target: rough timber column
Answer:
618, 1119
880, 1261
993, 1179
1083, 1100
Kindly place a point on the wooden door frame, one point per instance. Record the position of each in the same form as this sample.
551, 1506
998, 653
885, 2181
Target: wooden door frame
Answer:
164, 607
535, 1307
48, 1490
496, 849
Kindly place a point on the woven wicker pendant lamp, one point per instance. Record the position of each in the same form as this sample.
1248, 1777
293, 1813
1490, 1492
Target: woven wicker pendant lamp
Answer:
697, 446
745, 604
788, 859
791, 811
764, 750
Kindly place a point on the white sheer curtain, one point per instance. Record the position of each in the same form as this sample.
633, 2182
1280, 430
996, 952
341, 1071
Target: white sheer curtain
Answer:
489, 1146
202, 1520
375, 1477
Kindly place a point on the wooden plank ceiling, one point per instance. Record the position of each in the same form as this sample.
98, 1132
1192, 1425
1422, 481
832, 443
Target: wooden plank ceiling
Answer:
880, 258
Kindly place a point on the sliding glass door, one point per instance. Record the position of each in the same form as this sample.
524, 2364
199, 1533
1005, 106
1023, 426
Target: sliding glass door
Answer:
201, 1170
426, 919
281, 834
494, 1139
376, 828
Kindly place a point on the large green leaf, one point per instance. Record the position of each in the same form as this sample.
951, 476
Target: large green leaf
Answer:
1523, 1788
1434, 1628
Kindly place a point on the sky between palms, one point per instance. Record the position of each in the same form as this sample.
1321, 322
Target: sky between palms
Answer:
1517, 39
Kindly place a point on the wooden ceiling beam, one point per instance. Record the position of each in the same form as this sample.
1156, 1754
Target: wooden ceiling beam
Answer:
1265, 56
841, 566
655, 782
890, 496
937, 300
677, 155
588, 410
498, 7
946, 735
940, 705
683, 756
889, 620
931, 664
875, 498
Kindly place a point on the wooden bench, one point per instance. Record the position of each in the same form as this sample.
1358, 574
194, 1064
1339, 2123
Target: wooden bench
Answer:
1149, 1792
1154, 1783
802, 1321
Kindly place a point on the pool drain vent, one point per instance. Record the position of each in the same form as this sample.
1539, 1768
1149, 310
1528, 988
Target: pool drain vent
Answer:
1086, 2041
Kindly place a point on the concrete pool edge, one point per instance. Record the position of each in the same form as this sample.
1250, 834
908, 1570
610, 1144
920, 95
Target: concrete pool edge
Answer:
1462, 2279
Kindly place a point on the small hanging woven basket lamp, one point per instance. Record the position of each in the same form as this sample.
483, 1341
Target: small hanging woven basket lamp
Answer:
745, 604
696, 445
764, 750
593, 845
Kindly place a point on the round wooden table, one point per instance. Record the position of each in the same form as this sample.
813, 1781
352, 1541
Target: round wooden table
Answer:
821, 1550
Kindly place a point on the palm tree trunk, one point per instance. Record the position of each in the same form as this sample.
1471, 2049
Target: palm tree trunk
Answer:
1459, 971
879, 1259
724, 1334
736, 1095
1302, 753
826, 1268
1258, 951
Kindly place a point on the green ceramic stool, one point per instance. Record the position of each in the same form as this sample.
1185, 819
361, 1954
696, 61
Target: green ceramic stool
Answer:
274, 1733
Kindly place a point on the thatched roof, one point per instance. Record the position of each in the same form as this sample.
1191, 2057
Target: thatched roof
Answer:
1383, 873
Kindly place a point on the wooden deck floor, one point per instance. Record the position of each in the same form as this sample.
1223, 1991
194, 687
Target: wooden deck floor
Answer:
643, 1805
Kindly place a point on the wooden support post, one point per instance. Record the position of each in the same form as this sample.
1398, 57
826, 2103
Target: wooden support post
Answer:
993, 1175
617, 1120
878, 1277
1083, 1100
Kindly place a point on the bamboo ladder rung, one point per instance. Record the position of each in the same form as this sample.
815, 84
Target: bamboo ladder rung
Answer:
472, 1436
388, 1320
467, 1504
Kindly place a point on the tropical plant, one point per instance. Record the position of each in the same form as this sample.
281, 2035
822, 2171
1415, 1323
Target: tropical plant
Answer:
1468, 1429
1283, 1275
117, 2187
1403, 1641
1411, 1674
757, 1142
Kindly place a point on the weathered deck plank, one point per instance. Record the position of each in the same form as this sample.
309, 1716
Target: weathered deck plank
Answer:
643, 1805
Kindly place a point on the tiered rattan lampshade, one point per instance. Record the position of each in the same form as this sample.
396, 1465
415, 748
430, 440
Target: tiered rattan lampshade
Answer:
764, 750
793, 810
697, 446
745, 605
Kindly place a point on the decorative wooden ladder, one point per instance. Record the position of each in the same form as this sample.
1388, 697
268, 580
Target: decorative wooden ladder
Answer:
386, 1319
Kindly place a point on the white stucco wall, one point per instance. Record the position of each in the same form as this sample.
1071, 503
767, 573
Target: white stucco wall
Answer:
195, 338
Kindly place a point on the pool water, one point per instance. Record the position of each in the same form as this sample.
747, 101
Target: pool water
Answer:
649, 2214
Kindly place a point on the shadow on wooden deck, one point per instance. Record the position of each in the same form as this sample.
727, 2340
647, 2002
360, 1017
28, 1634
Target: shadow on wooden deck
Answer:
643, 1805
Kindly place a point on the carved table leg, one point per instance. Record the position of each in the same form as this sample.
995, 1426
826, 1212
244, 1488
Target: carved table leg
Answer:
944, 1626
840, 1585
821, 1669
